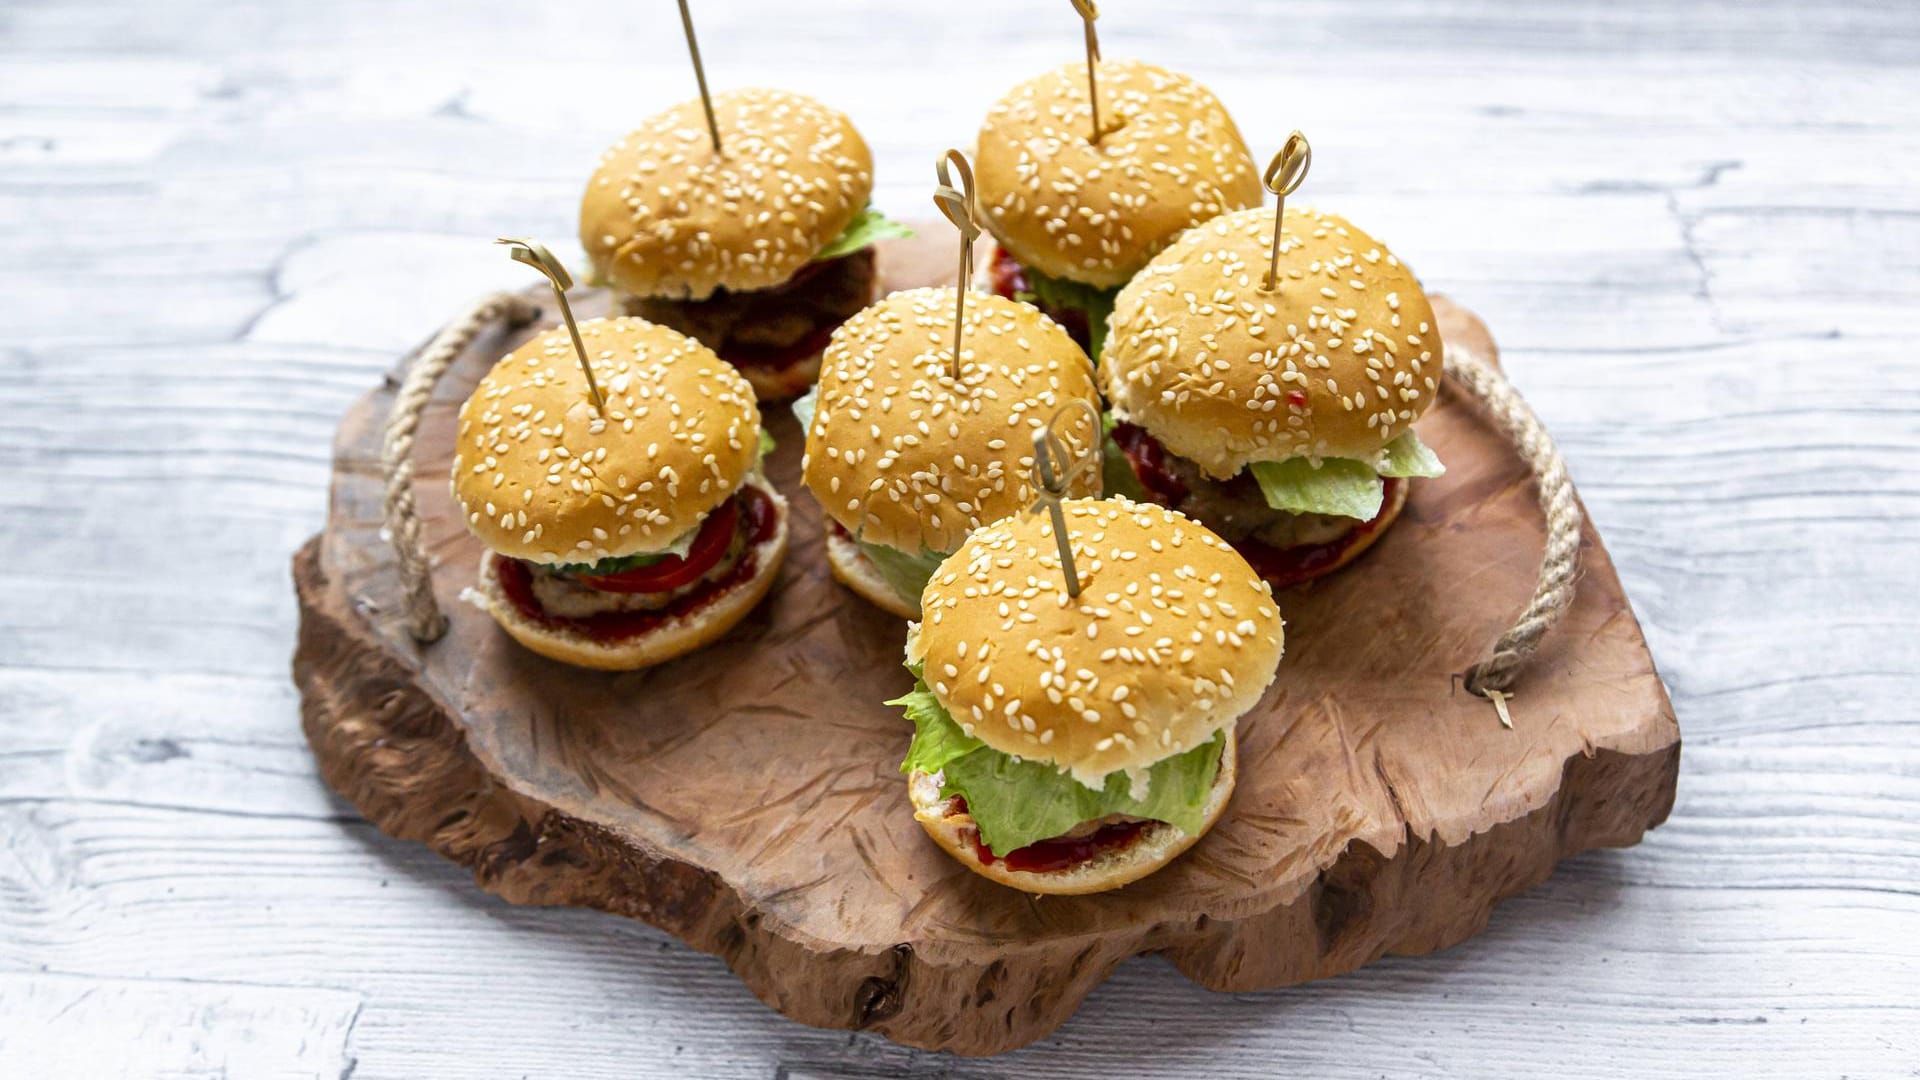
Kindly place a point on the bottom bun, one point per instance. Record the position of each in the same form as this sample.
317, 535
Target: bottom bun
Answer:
852, 568
1157, 846
671, 639
785, 381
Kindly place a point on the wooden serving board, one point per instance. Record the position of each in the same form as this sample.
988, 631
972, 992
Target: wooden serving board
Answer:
746, 798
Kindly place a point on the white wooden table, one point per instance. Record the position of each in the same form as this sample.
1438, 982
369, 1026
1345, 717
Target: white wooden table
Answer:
1692, 227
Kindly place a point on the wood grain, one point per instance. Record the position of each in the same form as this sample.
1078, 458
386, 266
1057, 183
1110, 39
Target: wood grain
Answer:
183, 1028
1692, 224
746, 798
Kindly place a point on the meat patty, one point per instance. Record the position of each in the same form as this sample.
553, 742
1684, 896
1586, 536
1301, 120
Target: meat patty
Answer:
1233, 508
821, 295
1238, 511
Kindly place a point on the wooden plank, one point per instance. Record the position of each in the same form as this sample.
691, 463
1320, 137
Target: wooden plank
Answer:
1666, 975
64, 1025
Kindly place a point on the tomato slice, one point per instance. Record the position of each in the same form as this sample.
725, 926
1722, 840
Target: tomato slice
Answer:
709, 547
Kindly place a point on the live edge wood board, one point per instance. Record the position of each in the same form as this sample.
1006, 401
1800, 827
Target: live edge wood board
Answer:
746, 798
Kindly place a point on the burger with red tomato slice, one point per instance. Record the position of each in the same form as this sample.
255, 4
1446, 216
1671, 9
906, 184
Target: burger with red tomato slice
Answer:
1281, 418
759, 250
623, 533
1074, 744
907, 453
1074, 218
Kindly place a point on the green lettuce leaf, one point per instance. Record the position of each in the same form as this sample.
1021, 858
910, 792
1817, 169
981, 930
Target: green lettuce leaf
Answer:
1016, 802
1337, 486
1061, 293
804, 407
1343, 487
620, 565
937, 740
1117, 477
611, 566
1177, 788
868, 226
907, 573
766, 442
1408, 456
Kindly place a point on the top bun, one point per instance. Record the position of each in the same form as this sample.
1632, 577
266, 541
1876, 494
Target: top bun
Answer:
1339, 360
1172, 638
1061, 204
543, 476
664, 217
903, 454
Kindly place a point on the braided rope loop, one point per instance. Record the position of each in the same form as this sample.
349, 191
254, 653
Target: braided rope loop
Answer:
1560, 562
425, 621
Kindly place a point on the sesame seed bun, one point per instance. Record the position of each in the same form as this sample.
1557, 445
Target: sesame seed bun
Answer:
663, 216
852, 568
1158, 845
901, 453
1340, 359
544, 476
676, 637
1172, 638
1170, 158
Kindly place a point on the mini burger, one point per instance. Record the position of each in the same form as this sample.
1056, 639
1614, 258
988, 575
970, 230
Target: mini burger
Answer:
1074, 219
760, 251
1072, 745
625, 535
907, 457
1283, 419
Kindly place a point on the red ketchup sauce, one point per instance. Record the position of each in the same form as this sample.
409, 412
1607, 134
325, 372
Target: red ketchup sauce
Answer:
1279, 566
1005, 276
1149, 461
1059, 853
1008, 278
759, 520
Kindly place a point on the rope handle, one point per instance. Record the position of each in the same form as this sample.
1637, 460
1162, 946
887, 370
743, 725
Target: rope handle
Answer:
1490, 678
425, 621
1493, 677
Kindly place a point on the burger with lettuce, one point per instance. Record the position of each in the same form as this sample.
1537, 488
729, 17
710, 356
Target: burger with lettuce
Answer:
759, 251
623, 532
1075, 744
1283, 418
907, 452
